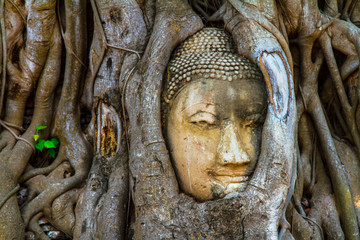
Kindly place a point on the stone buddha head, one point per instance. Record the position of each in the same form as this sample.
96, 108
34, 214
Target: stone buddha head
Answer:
214, 107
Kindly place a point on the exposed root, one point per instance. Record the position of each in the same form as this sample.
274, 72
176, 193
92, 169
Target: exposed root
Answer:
62, 211
347, 109
147, 144
27, 63
4, 55
39, 183
43, 201
9, 195
310, 73
32, 172
323, 209
73, 146
35, 227
327, 186
2, 123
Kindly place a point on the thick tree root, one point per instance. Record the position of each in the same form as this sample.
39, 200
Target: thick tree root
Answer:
123, 88
35, 227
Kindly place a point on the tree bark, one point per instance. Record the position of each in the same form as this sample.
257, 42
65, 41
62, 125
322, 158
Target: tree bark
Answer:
92, 73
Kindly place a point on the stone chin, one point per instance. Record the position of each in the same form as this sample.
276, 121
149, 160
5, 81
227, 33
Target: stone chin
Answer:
220, 190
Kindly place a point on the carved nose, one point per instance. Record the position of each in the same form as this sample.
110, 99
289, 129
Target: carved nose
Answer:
230, 149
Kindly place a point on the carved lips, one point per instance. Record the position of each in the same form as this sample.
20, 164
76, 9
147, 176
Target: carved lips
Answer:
229, 178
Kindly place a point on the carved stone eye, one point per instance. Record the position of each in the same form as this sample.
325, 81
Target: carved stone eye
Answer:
203, 119
203, 123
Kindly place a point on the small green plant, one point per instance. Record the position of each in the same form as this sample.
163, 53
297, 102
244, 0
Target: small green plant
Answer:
50, 145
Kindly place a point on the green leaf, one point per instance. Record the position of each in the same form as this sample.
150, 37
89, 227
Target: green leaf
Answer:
36, 137
55, 141
40, 127
51, 152
40, 144
48, 144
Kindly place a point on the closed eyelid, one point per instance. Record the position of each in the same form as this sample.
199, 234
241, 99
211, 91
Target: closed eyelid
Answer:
203, 116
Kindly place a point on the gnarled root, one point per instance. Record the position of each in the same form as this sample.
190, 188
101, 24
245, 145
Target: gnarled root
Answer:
38, 62
73, 145
59, 212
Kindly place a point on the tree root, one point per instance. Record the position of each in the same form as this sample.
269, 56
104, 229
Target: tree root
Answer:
347, 109
309, 84
323, 208
32, 172
156, 184
35, 227
9, 195
45, 199
111, 161
40, 51
119, 80
73, 146
3, 55
63, 213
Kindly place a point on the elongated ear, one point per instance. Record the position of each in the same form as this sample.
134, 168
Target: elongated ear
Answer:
261, 41
273, 180
278, 78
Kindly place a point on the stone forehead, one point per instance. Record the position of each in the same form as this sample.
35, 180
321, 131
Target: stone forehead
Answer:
208, 54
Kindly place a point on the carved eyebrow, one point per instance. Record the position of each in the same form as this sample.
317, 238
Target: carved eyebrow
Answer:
200, 104
251, 109
254, 117
257, 105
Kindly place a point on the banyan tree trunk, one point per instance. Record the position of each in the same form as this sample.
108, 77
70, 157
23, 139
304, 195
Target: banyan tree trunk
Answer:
92, 73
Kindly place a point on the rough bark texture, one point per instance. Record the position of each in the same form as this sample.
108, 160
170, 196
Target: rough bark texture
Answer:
92, 73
